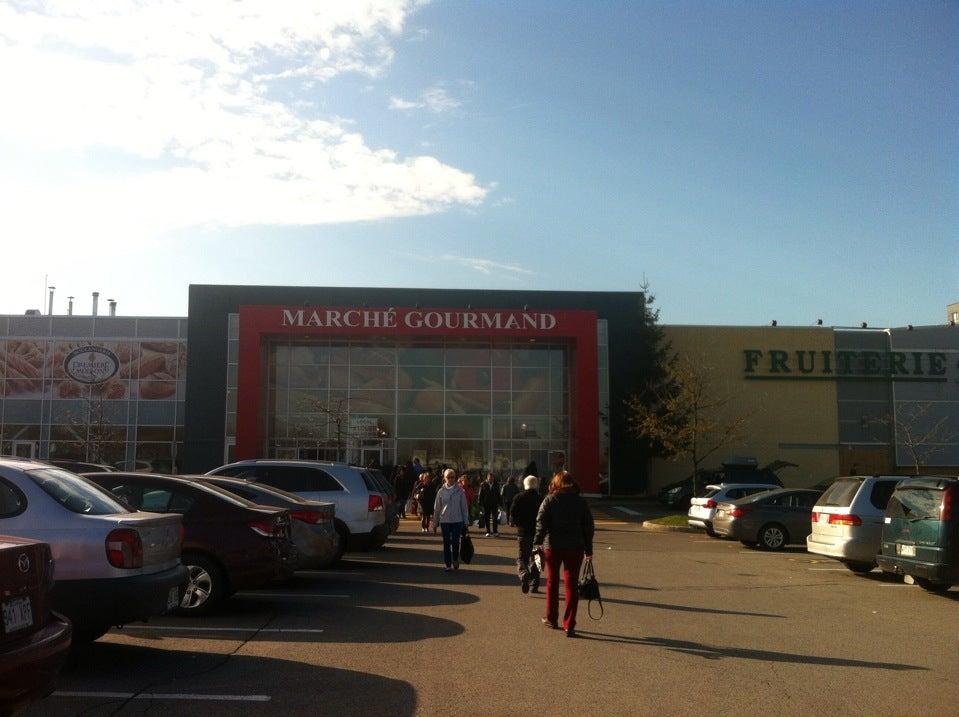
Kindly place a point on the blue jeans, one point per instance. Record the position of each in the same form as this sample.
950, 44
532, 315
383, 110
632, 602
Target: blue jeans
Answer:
451, 542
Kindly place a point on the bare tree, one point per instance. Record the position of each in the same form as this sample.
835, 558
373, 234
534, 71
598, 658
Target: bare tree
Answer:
919, 431
100, 438
688, 417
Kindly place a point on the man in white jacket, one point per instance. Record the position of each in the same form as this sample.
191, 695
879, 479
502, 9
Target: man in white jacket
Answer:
452, 513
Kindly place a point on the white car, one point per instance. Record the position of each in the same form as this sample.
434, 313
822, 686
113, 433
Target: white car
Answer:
847, 520
702, 510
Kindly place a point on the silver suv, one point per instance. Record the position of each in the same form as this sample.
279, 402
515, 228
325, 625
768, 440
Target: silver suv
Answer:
847, 520
360, 504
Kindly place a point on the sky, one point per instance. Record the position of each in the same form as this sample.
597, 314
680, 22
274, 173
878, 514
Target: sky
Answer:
750, 161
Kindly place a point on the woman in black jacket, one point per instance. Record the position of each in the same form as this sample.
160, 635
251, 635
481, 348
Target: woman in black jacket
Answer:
565, 523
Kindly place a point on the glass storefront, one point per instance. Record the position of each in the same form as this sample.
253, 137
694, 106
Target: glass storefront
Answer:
473, 405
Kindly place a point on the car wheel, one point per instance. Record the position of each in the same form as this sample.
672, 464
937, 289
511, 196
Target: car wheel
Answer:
860, 568
932, 585
344, 534
773, 537
712, 533
206, 586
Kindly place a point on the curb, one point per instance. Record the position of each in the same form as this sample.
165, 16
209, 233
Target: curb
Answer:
649, 525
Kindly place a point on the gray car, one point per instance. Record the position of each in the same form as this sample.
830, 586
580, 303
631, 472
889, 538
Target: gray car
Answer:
772, 520
317, 542
113, 565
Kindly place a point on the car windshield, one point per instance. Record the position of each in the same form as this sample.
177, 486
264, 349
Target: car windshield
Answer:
710, 493
74, 493
840, 493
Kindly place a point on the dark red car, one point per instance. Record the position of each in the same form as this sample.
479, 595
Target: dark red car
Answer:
229, 543
34, 641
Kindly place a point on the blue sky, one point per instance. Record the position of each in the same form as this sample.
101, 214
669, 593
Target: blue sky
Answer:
752, 161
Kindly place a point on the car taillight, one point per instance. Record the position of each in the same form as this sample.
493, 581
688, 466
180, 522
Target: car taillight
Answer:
374, 503
815, 517
307, 516
709, 503
948, 503
844, 519
124, 548
738, 512
267, 528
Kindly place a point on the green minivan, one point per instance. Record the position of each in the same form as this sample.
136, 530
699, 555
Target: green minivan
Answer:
920, 536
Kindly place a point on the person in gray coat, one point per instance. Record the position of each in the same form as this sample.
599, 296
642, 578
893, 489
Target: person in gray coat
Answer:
452, 513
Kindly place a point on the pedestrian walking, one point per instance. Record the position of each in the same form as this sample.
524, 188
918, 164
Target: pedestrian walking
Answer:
489, 500
403, 487
509, 492
524, 510
451, 511
427, 498
564, 526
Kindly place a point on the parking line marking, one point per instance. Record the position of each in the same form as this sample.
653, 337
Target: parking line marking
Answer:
290, 595
163, 696
185, 628
628, 511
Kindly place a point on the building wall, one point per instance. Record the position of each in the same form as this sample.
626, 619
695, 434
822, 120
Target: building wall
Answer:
790, 419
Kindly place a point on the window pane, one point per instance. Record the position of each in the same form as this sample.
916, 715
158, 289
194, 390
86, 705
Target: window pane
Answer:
501, 378
467, 427
420, 401
529, 427
427, 450
501, 428
530, 379
372, 401
421, 356
309, 377
468, 378
467, 455
372, 355
530, 357
468, 356
468, 402
372, 377
501, 403
420, 377
309, 355
420, 426
531, 402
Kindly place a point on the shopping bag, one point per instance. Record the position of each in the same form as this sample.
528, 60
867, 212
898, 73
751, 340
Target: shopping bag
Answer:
589, 589
501, 518
466, 549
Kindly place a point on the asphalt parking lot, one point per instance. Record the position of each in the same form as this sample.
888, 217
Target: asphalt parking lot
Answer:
692, 625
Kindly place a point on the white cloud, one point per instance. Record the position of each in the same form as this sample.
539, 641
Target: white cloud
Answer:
184, 93
484, 266
435, 99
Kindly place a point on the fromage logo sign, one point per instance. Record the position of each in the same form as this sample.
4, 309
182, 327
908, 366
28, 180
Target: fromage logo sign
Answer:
91, 364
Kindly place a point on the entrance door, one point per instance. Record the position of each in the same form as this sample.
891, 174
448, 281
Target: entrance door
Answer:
25, 449
371, 453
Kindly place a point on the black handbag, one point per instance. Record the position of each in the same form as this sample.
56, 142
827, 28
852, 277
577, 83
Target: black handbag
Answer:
589, 589
466, 549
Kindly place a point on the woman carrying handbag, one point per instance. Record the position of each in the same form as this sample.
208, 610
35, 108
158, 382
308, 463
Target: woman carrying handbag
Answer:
452, 513
565, 526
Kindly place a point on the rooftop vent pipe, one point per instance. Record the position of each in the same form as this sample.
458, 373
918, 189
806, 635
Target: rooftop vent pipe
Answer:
69, 306
96, 299
50, 304
113, 307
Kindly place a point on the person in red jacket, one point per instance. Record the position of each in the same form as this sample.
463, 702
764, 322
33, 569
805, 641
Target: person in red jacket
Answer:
564, 525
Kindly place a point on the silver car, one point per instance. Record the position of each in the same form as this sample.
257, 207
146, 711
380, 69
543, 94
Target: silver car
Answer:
772, 519
702, 509
847, 520
113, 565
360, 504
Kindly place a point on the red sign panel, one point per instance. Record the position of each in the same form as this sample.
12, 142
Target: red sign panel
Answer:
260, 323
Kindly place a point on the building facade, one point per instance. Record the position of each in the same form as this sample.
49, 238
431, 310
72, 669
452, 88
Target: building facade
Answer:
481, 380
104, 389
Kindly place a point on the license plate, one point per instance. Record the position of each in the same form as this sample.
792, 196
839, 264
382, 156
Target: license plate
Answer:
908, 551
17, 614
720, 512
173, 598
